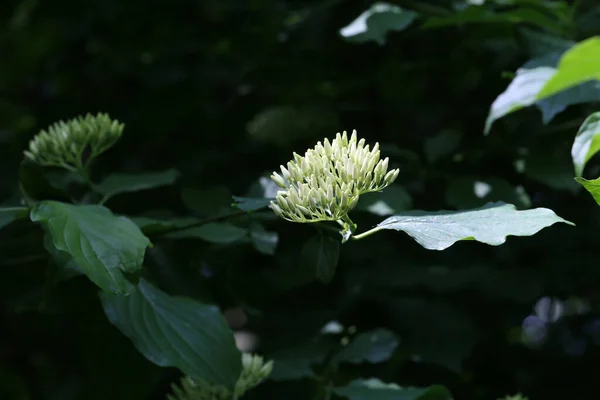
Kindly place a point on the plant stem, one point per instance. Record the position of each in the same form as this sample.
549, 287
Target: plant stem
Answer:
366, 233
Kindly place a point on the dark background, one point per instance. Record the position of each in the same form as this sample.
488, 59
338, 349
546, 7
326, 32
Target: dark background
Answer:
224, 91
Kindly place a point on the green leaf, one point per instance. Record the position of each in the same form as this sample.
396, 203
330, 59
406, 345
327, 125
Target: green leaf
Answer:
374, 389
587, 142
213, 232
103, 246
377, 21
250, 204
490, 224
592, 186
322, 253
375, 347
579, 64
177, 332
522, 92
10, 214
552, 85
126, 183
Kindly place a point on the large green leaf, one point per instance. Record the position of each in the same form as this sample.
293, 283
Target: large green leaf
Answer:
592, 186
322, 253
374, 347
490, 224
579, 64
377, 21
587, 142
124, 183
177, 332
10, 214
105, 247
374, 389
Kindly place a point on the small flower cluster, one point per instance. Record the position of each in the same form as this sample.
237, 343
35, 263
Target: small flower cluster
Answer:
254, 371
326, 183
66, 144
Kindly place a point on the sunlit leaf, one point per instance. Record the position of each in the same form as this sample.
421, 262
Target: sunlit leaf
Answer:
177, 332
490, 224
552, 85
587, 142
377, 21
592, 186
374, 389
522, 92
579, 64
125, 183
105, 247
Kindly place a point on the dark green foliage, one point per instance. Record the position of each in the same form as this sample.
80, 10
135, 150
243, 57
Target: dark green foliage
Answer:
214, 96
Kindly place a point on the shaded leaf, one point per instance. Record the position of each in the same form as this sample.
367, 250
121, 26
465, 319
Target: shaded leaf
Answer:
470, 192
377, 21
441, 144
433, 331
374, 389
322, 253
103, 246
250, 204
126, 183
375, 347
177, 332
387, 202
10, 214
264, 242
490, 224
553, 170
207, 202
213, 232
151, 225
296, 362
587, 142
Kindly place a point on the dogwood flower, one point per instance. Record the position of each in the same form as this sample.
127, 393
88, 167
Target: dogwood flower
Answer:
73, 144
326, 183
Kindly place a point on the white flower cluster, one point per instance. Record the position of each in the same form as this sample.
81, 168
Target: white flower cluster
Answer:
326, 183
